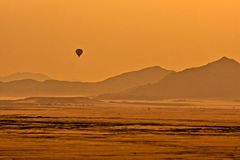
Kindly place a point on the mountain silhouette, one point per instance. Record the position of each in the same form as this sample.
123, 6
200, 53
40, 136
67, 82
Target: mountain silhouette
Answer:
219, 79
24, 75
29, 87
133, 79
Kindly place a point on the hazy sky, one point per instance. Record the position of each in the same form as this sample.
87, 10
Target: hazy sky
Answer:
116, 35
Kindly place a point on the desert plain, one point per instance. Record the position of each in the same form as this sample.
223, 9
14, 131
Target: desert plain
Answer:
82, 128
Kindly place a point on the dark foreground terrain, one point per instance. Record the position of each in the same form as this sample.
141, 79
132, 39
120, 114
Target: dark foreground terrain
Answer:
95, 130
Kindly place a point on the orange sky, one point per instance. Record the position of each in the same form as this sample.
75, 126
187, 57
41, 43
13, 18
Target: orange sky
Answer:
116, 35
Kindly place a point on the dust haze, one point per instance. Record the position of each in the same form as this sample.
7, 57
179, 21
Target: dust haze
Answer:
113, 80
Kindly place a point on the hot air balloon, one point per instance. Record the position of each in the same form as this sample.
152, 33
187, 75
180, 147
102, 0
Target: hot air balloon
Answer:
79, 52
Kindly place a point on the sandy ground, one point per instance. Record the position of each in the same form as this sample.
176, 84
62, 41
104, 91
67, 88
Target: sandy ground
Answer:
121, 131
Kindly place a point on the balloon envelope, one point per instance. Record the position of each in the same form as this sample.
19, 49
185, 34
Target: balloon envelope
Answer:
79, 52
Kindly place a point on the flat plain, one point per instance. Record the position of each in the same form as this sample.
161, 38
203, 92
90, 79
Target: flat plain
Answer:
95, 130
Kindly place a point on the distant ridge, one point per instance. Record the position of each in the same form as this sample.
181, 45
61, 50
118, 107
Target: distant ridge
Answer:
29, 87
218, 79
24, 75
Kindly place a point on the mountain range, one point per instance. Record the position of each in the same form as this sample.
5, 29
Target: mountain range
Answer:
218, 79
32, 87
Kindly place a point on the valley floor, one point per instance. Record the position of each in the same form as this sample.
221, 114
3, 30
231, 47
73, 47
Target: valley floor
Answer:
116, 131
